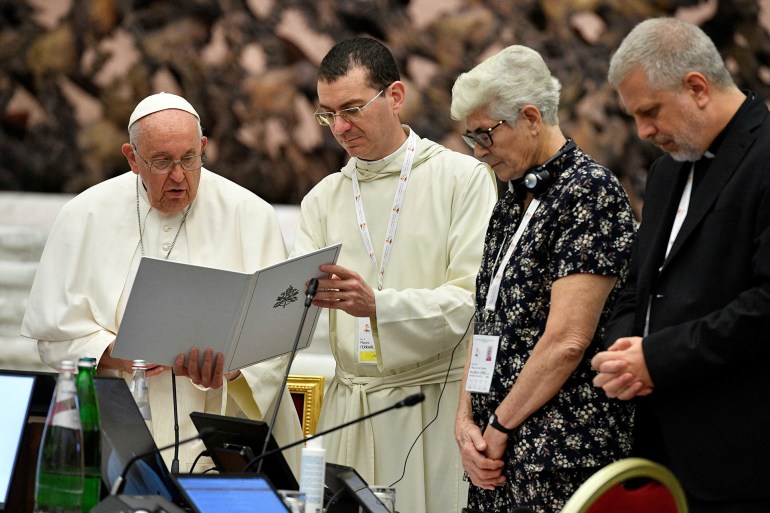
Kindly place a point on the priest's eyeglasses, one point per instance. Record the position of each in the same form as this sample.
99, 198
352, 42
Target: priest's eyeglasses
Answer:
350, 115
481, 137
164, 166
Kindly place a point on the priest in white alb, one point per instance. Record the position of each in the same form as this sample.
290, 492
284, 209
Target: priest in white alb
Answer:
411, 216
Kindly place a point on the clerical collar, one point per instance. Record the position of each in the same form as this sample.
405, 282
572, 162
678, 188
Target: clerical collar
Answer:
720, 138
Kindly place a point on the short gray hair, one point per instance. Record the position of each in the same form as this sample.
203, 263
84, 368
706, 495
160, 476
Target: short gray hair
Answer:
667, 49
506, 82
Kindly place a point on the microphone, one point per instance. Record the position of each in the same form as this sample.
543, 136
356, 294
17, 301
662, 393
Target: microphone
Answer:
312, 288
118, 485
410, 400
407, 401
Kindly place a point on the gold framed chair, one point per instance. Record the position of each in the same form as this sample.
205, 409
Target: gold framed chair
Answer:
307, 392
603, 488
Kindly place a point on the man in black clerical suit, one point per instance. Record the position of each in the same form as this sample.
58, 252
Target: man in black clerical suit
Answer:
688, 340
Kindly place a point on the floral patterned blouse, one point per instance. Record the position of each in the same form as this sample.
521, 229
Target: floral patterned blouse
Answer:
584, 224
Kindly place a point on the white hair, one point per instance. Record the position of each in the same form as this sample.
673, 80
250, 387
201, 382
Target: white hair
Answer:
506, 82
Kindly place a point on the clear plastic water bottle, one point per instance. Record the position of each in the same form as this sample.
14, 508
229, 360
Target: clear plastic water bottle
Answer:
89, 420
139, 390
59, 482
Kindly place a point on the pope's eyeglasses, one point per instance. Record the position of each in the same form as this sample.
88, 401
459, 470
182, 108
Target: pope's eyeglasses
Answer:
164, 166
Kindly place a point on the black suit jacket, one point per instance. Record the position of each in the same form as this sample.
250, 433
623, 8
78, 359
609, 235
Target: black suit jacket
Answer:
708, 347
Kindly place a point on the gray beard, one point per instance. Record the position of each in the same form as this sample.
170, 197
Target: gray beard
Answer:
687, 154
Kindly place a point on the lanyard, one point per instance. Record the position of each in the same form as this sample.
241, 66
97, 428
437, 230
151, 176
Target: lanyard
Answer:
398, 200
494, 283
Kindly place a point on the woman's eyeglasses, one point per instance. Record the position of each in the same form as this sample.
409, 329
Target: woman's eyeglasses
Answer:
482, 137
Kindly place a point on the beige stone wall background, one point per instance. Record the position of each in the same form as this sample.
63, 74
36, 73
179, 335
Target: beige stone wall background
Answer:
72, 70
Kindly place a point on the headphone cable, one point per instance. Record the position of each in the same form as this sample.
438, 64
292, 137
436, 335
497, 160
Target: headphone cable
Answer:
438, 402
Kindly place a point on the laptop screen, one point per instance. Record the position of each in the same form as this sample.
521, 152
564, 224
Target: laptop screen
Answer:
15, 391
245, 493
124, 435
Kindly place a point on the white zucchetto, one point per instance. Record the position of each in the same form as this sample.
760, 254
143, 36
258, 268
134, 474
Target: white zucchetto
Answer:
158, 102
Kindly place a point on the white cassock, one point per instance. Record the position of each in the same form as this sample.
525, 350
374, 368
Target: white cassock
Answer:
88, 267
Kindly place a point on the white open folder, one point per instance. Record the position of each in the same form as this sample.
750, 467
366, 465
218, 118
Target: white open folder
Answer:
174, 307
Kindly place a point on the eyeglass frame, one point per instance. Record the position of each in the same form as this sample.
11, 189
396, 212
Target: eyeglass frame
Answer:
346, 114
479, 137
173, 162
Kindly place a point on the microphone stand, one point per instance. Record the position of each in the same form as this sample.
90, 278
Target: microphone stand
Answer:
312, 288
175, 461
408, 401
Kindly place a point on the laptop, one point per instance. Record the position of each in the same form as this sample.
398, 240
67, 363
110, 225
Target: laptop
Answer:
16, 396
236, 441
234, 493
350, 493
42, 392
124, 435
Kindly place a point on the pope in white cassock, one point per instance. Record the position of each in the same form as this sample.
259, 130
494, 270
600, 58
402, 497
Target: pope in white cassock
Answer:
168, 206
411, 216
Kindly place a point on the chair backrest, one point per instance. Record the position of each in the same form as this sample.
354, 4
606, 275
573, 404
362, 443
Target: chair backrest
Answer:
604, 492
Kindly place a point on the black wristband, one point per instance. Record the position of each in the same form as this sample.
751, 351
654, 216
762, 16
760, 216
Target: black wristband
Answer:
496, 424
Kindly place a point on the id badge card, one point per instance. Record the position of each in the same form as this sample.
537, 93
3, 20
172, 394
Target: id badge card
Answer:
482, 364
367, 355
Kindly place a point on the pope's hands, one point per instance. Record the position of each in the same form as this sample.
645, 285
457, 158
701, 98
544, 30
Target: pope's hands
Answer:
108, 362
209, 374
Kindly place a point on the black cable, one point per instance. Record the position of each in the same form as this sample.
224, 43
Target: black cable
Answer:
195, 461
334, 498
438, 403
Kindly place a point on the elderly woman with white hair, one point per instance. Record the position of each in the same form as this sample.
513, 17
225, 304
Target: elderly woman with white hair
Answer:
530, 425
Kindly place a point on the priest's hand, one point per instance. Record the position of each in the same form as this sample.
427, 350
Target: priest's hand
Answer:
209, 374
622, 370
345, 290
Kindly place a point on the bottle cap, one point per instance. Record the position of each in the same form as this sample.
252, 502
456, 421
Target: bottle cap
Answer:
86, 362
67, 365
316, 443
139, 364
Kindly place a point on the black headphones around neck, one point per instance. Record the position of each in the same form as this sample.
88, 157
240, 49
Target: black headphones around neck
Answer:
537, 179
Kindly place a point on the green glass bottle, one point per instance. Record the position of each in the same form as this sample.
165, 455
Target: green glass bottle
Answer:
92, 447
59, 483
